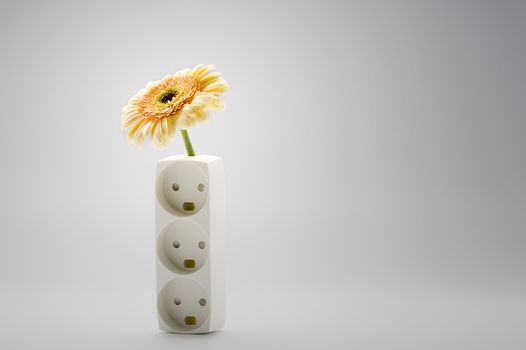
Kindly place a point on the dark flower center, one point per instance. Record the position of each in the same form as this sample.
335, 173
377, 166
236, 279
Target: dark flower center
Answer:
167, 96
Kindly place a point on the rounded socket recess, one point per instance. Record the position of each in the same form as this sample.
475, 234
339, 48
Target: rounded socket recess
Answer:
183, 246
182, 188
183, 304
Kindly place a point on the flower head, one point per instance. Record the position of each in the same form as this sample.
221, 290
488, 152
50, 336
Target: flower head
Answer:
176, 101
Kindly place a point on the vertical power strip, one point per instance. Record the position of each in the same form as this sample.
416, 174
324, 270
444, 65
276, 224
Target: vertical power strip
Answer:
190, 234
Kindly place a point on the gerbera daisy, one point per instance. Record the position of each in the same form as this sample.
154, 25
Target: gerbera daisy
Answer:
177, 101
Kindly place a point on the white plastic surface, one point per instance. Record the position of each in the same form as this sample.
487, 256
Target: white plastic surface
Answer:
190, 229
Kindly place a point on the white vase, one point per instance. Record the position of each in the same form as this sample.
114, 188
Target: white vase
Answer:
190, 230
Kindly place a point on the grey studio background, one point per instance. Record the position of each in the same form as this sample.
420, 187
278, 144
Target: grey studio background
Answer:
375, 158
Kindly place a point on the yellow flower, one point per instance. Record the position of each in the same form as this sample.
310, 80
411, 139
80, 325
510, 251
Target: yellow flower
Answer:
176, 101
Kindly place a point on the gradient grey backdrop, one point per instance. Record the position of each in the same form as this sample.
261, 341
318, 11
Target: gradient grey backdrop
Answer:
375, 157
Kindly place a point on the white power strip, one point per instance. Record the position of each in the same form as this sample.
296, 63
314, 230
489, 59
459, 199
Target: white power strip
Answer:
190, 234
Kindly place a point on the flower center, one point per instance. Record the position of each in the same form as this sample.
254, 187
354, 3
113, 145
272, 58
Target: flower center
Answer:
167, 96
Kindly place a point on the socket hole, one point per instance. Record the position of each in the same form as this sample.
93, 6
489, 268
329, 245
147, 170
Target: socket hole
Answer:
201, 187
202, 301
188, 206
189, 264
201, 244
190, 321
177, 301
177, 244
175, 187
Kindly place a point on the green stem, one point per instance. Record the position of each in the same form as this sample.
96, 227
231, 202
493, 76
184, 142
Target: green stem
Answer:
189, 149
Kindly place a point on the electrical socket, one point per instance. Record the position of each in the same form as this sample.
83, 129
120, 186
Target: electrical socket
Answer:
182, 188
190, 230
183, 246
184, 304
